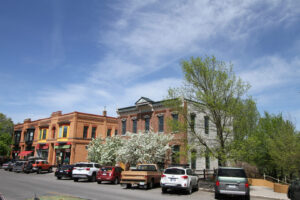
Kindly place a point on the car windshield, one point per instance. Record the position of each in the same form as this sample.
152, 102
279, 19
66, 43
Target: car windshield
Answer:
19, 163
84, 165
174, 171
146, 168
66, 167
232, 173
106, 169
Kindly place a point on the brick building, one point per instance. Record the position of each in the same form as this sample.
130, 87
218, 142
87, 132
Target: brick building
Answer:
147, 114
61, 137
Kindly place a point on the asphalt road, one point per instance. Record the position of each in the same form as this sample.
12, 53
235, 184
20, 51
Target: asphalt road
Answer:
19, 186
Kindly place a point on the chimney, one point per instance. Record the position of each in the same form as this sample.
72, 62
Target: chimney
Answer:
28, 120
104, 111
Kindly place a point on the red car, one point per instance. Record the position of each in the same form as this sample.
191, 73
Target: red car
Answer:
112, 174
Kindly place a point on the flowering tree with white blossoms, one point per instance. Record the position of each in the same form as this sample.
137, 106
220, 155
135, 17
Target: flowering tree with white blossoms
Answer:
104, 152
147, 147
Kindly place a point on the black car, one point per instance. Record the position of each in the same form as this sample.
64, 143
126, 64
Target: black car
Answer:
64, 171
294, 190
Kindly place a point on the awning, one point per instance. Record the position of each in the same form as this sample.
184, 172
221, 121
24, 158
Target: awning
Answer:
24, 153
62, 147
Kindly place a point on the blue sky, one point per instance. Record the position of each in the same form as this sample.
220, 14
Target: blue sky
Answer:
80, 55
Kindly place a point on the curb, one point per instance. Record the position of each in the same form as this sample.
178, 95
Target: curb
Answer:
255, 196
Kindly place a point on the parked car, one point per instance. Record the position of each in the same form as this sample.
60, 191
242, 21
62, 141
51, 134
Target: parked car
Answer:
179, 178
19, 166
231, 182
85, 170
10, 165
6, 166
294, 190
64, 171
41, 165
28, 166
145, 175
109, 173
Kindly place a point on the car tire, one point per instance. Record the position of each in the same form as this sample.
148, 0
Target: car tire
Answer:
93, 178
128, 186
116, 181
38, 171
247, 197
59, 177
197, 186
50, 170
217, 196
99, 182
75, 179
150, 185
190, 189
164, 190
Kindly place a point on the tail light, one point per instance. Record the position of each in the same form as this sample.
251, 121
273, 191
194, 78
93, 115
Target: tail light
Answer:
68, 170
87, 169
246, 185
184, 177
163, 175
217, 183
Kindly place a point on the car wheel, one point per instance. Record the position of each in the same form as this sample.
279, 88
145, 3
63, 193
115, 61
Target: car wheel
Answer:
197, 186
190, 189
93, 178
59, 177
217, 196
99, 182
116, 181
50, 170
75, 179
247, 197
151, 184
128, 186
38, 171
164, 190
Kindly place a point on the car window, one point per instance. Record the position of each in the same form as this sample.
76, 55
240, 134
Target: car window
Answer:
189, 172
232, 173
174, 171
83, 165
106, 169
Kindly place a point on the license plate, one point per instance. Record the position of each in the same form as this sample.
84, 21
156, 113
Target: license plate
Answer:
134, 185
142, 183
173, 179
231, 186
61, 171
104, 174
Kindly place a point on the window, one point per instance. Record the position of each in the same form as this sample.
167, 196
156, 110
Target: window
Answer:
85, 131
206, 124
116, 132
147, 124
207, 160
94, 132
31, 133
134, 127
193, 159
43, 133
175, 116
161, 123
17, 137
108, 134
193, 117
63, 131
175, 154
123, 127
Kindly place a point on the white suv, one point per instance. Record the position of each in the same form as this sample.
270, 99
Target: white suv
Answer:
179, 178
85, 170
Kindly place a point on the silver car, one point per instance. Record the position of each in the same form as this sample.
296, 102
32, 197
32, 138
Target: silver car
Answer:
19, 166
231, 182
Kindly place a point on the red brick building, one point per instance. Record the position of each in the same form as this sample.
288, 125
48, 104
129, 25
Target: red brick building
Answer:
61, 137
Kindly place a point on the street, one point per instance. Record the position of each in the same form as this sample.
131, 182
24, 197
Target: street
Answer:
19, 186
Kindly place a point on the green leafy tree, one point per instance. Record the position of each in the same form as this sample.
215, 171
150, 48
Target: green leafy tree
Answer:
216, 92
6, 130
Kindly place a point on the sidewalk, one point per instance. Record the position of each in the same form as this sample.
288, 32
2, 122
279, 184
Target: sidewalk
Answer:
265, 192
258, 191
